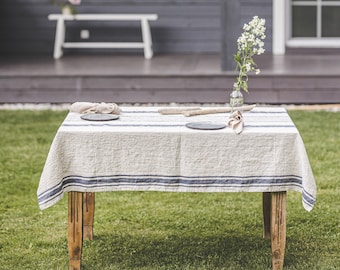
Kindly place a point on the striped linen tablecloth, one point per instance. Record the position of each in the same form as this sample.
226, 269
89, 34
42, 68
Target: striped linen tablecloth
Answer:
146, 151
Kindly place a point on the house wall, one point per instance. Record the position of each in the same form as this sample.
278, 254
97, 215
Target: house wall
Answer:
234, 14
183, 25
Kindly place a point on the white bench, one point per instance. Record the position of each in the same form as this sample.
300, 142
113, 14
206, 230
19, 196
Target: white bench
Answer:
144, 19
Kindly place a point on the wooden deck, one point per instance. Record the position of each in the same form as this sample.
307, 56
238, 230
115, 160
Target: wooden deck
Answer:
190, 78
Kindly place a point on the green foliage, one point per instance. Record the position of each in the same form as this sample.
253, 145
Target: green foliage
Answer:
155, 230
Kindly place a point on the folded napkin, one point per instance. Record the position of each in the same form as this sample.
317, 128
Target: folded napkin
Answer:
235, 121
89, 107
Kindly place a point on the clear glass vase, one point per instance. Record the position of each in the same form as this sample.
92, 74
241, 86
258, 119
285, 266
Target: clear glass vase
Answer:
236, 99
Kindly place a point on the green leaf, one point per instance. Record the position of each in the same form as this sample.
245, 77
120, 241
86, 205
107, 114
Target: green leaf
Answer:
244, 85
237, 58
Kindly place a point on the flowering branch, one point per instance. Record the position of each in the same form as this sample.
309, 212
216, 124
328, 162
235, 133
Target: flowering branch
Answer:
250, 43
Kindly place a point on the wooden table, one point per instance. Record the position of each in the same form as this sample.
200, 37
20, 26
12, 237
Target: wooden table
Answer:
144, 150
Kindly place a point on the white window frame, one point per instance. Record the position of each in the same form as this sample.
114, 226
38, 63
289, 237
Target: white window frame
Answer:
279, 27
282, 21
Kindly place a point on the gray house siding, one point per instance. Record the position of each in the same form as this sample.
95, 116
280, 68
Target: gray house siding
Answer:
184, 26
234, 14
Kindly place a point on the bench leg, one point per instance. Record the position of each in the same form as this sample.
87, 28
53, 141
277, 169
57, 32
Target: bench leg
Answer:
88, 215
146, 35
59, 39
75, 229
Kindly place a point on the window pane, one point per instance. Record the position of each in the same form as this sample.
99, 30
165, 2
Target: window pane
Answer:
330, 21
304, 21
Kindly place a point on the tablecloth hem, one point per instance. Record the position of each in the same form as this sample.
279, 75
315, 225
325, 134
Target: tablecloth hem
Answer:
46, 204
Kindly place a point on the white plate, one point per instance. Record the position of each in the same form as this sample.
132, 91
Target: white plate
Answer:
99, 117
205, 125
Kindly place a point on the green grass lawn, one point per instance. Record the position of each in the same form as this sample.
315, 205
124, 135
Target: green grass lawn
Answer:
154, 230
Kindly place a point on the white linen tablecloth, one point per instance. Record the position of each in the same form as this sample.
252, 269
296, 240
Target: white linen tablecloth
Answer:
147, 151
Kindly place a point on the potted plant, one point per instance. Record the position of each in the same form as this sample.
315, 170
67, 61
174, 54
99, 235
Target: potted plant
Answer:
66, 6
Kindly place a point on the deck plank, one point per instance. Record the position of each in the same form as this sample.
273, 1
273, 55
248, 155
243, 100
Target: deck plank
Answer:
290, 79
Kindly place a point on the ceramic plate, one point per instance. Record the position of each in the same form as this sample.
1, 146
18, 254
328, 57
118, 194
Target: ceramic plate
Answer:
205, 125
99, 117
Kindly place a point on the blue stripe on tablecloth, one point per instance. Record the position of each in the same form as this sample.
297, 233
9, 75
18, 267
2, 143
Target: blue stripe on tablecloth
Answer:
308, 198
173, 181
163, 125
252, 111
123, 125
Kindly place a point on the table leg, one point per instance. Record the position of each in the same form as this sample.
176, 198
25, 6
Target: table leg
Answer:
75, 229
278, 228
88, 215
266, 208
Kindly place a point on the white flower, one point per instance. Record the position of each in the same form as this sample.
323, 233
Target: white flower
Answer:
260, 51
75, 2
248, 67
250, 43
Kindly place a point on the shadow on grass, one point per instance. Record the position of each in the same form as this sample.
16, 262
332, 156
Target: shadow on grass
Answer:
177, 252
112, 251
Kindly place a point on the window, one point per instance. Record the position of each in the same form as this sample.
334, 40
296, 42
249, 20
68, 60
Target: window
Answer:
314, 23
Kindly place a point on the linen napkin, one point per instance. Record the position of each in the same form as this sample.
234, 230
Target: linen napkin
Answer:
235, 121
89, 107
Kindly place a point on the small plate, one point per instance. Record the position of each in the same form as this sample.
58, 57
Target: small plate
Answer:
99, 117
205, 125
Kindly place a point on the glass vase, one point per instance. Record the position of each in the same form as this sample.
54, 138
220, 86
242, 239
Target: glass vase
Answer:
236, 99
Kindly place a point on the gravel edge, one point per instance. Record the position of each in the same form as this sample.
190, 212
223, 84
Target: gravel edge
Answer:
66, 106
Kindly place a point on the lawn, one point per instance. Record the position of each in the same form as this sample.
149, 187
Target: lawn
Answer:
155, 230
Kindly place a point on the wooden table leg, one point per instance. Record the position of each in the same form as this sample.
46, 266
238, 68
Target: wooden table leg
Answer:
88, 215
75, 229
266, 208
278, 228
